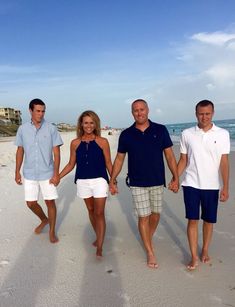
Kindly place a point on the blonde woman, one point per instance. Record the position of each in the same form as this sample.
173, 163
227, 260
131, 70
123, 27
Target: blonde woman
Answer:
91, 154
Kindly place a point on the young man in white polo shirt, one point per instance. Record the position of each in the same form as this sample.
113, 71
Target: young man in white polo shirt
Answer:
204, 154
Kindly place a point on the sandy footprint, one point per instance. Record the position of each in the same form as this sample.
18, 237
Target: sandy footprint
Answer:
4, 263
215, 298
7, 292
126, 298
188, 273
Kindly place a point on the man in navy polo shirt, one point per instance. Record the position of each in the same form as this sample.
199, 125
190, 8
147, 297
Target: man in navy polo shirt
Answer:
145, 142
38, 144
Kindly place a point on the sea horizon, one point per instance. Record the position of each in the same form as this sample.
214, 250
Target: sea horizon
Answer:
175, 130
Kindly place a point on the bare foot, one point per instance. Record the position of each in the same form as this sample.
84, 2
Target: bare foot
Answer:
40, 227
152, 262
53, 238
192, 265
99, 255
205, 259
94, 243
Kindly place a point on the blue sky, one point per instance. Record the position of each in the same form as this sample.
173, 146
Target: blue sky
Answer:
101, 55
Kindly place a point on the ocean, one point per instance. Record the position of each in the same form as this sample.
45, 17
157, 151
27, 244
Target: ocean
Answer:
228, 124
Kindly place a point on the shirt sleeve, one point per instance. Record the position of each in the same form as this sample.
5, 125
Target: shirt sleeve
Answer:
183, 147
122, 144
19, 140
56, 138
167, 142
226, 141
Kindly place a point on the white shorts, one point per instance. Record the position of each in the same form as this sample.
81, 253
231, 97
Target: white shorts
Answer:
96, 187
33, 187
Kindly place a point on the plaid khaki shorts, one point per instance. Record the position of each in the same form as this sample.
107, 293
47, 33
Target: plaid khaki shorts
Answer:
147, 200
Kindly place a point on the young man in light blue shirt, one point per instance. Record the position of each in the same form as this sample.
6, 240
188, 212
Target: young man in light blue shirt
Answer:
38, 145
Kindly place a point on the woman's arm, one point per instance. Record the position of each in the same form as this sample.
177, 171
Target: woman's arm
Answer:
107, 155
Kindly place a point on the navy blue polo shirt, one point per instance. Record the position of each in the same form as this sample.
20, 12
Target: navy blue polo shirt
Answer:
145, 154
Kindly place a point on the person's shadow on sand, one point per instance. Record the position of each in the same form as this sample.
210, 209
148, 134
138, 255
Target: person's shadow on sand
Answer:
126, 203
168, 217
101, 281
67, 194
34, 269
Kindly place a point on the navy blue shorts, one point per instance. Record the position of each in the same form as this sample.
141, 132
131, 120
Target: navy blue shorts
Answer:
206, 199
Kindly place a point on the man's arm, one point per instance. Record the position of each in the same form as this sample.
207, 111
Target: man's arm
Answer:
224, 170
171, 162
19, 161
182, 163
117, 166
56, 178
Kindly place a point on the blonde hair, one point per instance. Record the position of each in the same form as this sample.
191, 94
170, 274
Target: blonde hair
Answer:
94, 117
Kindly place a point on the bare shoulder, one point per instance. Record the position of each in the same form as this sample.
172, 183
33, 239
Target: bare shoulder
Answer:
75, 143
101, 141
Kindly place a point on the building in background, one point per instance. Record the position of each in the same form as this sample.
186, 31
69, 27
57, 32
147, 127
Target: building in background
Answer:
10, 115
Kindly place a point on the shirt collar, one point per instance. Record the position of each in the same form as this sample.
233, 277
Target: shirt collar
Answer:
150, 124
213, 128
42, 122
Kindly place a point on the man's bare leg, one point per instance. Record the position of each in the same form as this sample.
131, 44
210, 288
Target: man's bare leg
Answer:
153, 223
90, 207
37, 209
192, 232
144, 229
100, 224
207, 236
51, 207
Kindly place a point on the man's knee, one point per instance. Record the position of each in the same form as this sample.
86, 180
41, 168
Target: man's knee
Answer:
193, 223
144, 219
155, 215
31, 204
50, 202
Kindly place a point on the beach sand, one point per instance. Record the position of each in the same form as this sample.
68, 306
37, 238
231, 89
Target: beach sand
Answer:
34, 272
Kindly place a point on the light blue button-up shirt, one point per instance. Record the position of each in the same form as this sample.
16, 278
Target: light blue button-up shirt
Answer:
38, 146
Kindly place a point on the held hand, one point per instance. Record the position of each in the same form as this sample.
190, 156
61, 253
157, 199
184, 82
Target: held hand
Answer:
173, 185
113, 188
224, 195
55, 180
18, 178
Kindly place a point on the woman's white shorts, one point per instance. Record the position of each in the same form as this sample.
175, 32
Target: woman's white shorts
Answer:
96, 187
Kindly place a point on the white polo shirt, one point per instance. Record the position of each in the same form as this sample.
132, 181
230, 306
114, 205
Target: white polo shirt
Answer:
204, 151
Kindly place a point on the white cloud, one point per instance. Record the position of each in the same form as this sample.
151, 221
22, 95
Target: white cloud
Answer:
215, 38
158, 111
223, 74
205, 70
210, 86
